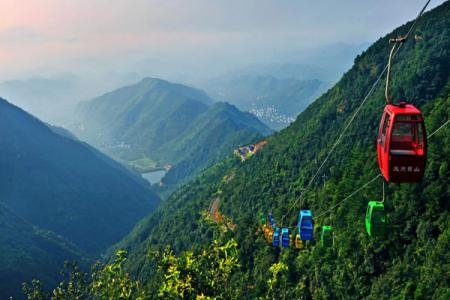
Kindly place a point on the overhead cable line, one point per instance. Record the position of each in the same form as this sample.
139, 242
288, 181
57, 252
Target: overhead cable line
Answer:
372, 180
355, 114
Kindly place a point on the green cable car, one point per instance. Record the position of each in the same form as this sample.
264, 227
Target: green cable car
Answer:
326, 238
262, 218
375, 218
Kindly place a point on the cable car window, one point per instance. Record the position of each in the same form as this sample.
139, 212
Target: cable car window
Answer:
402, 133
377, 215
406, 118
307, 224
420, 135
385, 126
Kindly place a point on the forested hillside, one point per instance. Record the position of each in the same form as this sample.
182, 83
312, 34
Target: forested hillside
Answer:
63, 185
411, 260
214, 135
27, 251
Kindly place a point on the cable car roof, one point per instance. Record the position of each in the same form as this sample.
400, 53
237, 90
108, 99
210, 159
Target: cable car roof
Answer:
403, 109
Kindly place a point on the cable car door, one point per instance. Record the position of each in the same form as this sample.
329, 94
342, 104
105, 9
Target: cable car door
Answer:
382, 144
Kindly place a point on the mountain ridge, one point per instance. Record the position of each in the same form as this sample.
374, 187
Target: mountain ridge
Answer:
45, 176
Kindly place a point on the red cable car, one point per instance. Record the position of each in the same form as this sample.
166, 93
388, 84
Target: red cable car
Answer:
402, 144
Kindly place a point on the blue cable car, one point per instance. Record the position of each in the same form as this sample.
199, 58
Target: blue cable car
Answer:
271, 220
276, 238
305, 225
285, 238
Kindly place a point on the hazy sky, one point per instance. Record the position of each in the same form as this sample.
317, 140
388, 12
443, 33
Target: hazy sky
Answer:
55, 53
112, 35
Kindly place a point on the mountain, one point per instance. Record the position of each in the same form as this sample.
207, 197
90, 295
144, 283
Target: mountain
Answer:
155, 123
213, 136
275, 101
60, 184
277, 92
46, 97
28, 251
278, 70
410, 261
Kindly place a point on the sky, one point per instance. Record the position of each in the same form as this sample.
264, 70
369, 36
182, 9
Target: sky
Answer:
84, 34
110, 42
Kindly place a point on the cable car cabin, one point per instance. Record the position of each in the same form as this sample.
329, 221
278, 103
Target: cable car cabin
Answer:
326, 238
265, 230
298, 244
285, 238
270, 233
375, 218
271, 220
262, 218
402, 144
305, 225
276, 238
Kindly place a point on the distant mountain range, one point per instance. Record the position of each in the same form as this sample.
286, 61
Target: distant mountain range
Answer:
155, 123
47, 98
274, 100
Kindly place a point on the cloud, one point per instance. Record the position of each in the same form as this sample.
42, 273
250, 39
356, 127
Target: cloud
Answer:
21, 35
14, 36
109, 33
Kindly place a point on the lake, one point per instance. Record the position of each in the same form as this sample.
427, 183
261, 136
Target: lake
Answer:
155, 176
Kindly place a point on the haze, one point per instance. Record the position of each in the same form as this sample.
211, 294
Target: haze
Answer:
88, 47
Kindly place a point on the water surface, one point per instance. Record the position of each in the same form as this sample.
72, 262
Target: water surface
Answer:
155, 176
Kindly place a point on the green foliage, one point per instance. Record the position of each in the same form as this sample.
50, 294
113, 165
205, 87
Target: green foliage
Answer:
35, 291
112, 282
277, 269
107, 282
205, 276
